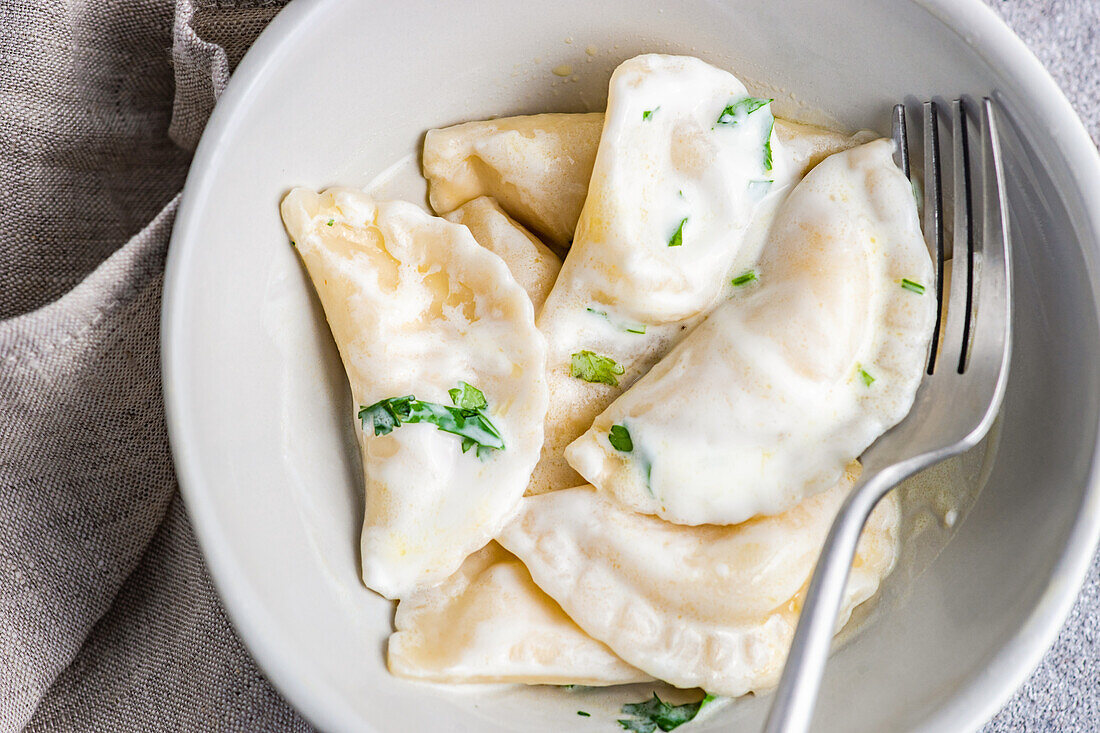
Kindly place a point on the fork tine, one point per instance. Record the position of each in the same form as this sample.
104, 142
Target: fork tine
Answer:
901, 141
992, 322
953, 348
933, 213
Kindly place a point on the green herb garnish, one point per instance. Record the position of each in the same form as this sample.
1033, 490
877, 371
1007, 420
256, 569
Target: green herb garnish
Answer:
584, 714
768, 147
735, 112
468, 419
744, 278
652, 714
629, 327
330, 222
648, 114
866, 376
293, 243
760, 188
678, 236
593, 367
913, 286
468, 397
619, 437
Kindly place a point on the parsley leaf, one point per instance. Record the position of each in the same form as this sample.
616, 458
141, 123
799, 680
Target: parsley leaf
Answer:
619, 437
760, 189
866, 376
914, 286
386, 414
584, 714
737, 111
628, 326
656, 713
768, 147
330, 222
678, 236
468, 397
648, 114
468, 420
595, 368
744, 278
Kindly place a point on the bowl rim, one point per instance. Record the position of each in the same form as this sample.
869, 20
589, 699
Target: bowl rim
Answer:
988, 36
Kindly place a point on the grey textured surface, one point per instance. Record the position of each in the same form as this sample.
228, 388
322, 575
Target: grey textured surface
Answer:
108, 620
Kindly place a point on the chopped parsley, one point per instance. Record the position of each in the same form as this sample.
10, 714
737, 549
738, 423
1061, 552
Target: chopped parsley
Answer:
913, 286
678, 235
648, 114
467, 419
629, 327
866, 376
584, 714
330, 222
468, 397
293, 243
650, 715
595, 368
744, 278
768, 147
737, 111
760, 188
619, 437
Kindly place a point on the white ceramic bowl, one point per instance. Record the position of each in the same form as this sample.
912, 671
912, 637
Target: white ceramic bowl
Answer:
335, 92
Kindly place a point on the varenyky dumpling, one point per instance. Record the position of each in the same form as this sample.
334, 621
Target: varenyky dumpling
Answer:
685, 158
711, 606
446, 371
489, 622
808, 145
530, 261
768, 400
537, 167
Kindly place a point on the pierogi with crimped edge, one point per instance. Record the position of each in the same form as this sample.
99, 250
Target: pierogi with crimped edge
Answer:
685, 158
793, 377
710, 606
418, 308
489, 622
536, 166
532, 263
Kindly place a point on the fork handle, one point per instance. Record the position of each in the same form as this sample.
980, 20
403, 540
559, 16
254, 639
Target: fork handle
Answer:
793, 705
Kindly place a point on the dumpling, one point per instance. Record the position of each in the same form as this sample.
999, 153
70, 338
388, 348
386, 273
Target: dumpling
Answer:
712, 607
537, 167
808, 145
489, 622
446, 371
531, 262
768, 400
685, 159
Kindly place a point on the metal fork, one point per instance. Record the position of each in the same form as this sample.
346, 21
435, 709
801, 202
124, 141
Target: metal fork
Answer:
958, 399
